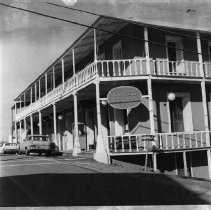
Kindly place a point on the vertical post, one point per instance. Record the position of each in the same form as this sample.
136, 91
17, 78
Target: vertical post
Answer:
16, 131
185, 163
191, 164
40, 122
100, 154
35, 88
151, 112
203, 90
54, 85
24, 98
146, 46
77, 147
15, 107
155, 161
20, 124
54, 122
95, 46
24, 122
46, 84
31, 122
209, 162
175, 162
63, 72
31, 94
20, 102
39, 89
73, 54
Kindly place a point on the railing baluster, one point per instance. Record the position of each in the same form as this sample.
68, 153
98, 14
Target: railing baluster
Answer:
137, 145
114, 70
196, 140
178, 145
123, 146
190, 140
108, 73
201, 139
115, 142
172, 140
183, 139
135, 66
129, 138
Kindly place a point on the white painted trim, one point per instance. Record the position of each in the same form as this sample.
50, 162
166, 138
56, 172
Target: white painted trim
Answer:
187, 111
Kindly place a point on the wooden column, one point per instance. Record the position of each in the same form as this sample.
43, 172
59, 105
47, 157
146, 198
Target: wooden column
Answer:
175, 162
146, 46
39, 89
20, 124
62, 72
95, 46
203, 90
16, 131
209, 162
40, 123
73, 54
54, 122
31, 94
185, 163
31, 122
35, 90
46, 84
54, 84
101, 154
24, 98
77, 146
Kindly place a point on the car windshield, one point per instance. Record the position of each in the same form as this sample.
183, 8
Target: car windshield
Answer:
39, 138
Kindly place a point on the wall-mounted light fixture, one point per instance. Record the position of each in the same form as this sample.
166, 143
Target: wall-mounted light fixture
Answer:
171, 96
60, 117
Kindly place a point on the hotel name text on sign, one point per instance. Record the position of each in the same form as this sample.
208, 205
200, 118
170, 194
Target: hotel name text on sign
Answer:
124, 97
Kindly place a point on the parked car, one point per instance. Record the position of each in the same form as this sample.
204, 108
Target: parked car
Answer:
37, 144
9, 148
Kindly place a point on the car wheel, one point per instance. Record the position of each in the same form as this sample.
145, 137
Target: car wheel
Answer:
27, 152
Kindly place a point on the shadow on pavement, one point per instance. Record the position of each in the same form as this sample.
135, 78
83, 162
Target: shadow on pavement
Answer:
94, 189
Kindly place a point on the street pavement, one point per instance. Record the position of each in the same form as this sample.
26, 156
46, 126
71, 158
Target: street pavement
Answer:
66, 181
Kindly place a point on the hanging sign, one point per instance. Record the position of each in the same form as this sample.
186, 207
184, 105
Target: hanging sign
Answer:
124, 97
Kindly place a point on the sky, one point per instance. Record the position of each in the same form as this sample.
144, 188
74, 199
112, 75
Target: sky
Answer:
30, 43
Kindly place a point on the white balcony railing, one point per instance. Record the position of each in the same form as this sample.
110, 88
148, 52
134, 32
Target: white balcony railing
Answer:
81, 78
162, 141
138, 66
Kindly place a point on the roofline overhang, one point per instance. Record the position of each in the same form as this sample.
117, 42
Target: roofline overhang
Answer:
94, 25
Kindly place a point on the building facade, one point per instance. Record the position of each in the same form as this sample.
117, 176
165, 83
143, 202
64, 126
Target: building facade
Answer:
171, 67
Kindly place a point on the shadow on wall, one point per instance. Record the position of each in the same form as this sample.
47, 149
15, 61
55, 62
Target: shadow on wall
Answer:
139, 119
95, 189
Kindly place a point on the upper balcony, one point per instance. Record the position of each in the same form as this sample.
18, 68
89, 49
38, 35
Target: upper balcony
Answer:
115, 69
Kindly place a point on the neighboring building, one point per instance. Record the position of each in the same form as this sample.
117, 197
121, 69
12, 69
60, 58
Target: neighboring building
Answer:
69, 100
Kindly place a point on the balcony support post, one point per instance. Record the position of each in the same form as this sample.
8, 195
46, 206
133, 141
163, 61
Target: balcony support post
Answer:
20, 124
40, 122
199, 53
151, 111
73, 55
46, 84
31, 122
54, 122
63, 72
35, 88
31, 94
24, 98
100, 154
209, 162
16, 130
95, 46
146, 46
77, 146
39, 90
54, 84
185, 163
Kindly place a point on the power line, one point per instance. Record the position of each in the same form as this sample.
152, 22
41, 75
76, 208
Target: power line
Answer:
124, 20
100, 29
